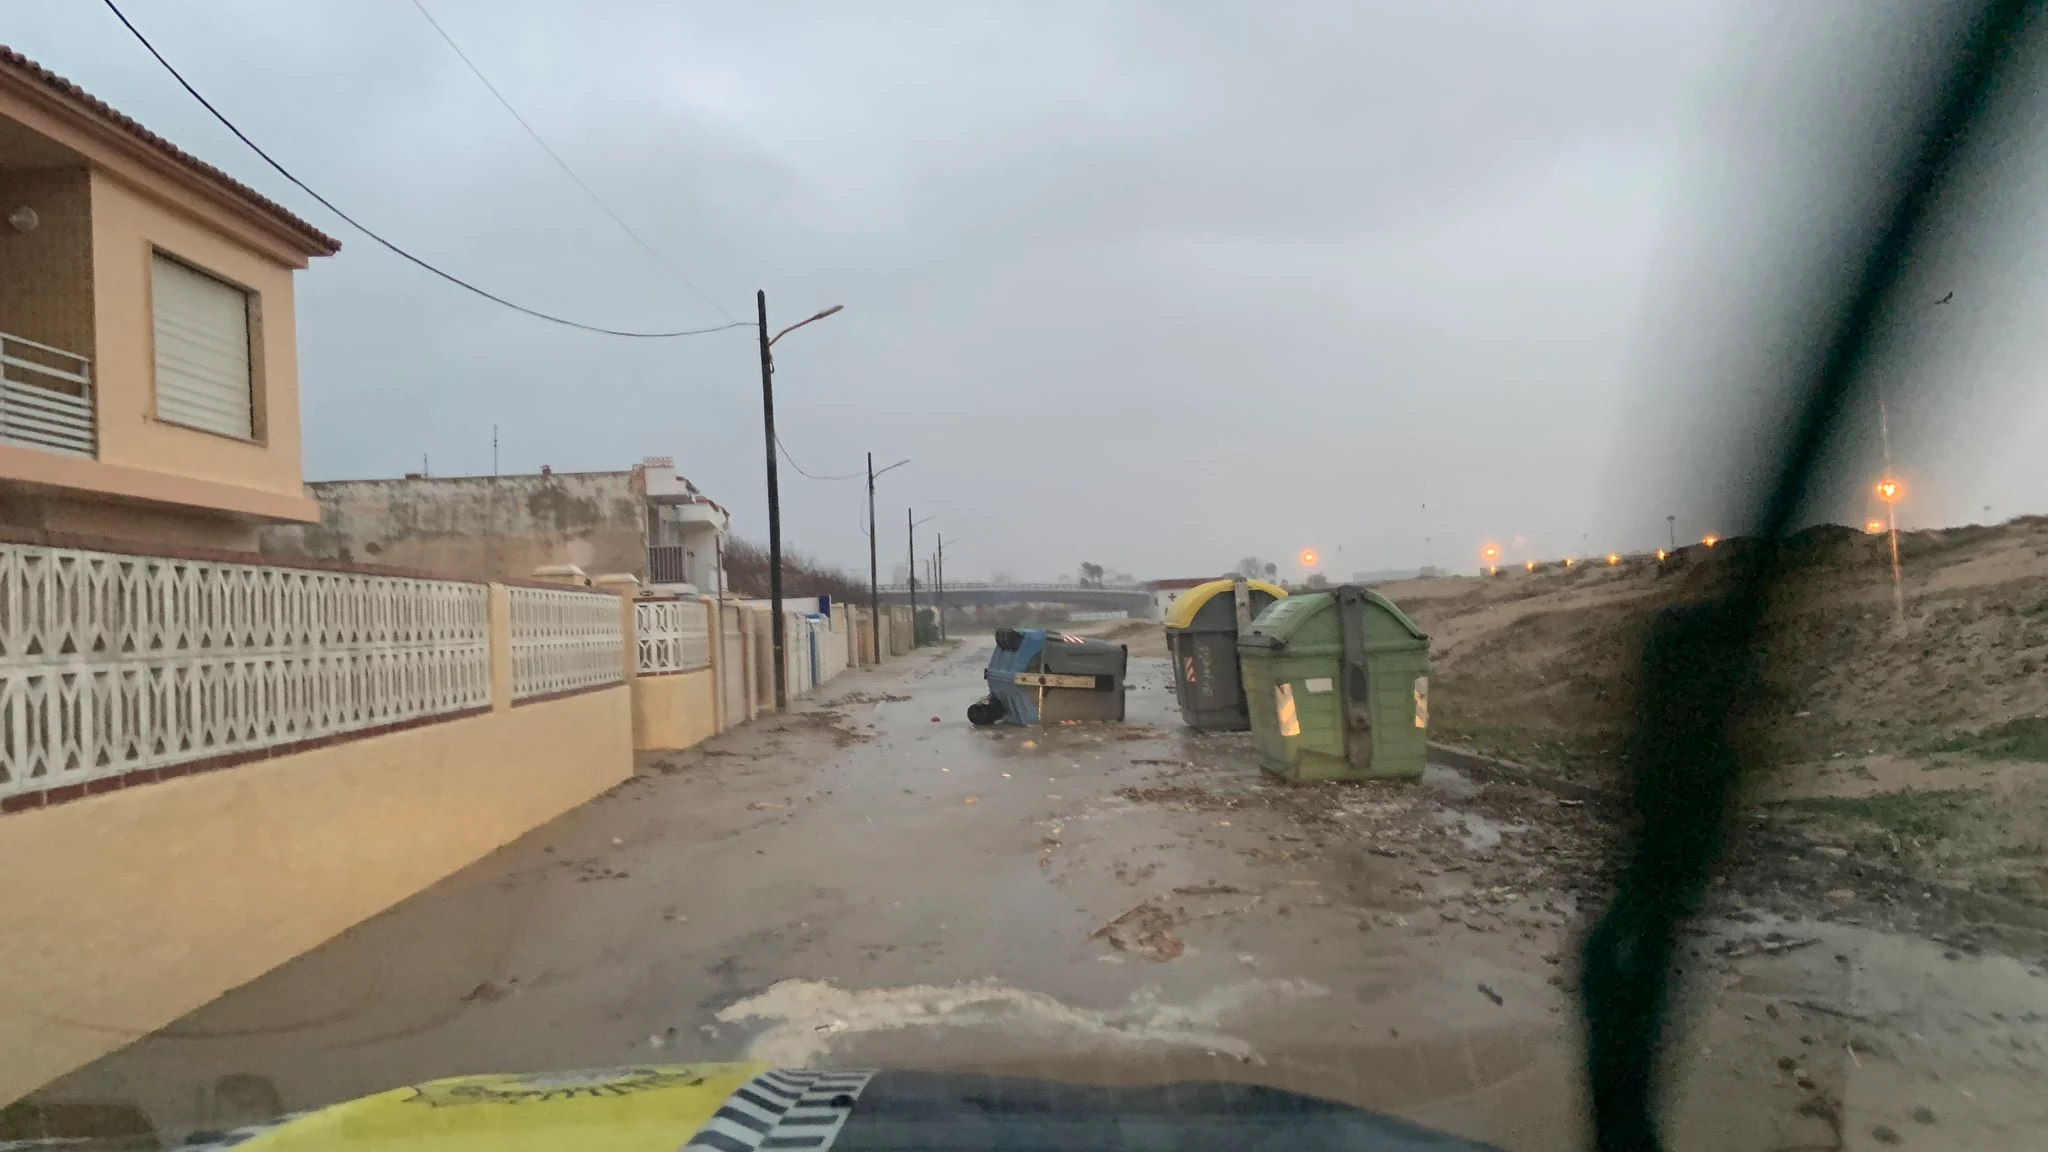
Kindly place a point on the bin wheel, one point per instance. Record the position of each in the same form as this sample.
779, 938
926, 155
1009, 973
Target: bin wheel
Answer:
984, 712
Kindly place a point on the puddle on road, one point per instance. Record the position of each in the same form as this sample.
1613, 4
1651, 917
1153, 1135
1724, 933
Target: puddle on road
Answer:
807, 1019
1477, 832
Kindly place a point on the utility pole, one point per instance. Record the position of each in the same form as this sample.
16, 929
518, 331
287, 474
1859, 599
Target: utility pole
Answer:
776, 623
939, 585
494, 449
874, 567
911, 525
1671, 522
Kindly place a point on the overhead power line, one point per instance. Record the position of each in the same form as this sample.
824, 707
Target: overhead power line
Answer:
811, 475
564, 164
365, 230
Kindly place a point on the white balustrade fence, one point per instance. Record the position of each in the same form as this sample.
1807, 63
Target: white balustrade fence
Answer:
111, 664
563, 639
675, 635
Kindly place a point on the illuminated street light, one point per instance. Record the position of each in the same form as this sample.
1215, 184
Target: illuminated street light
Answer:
1710, 539
1569, 561
1613, 558
1660, 555
1490, 553
1308, 557
1529, 565
1889, 490
1874, 527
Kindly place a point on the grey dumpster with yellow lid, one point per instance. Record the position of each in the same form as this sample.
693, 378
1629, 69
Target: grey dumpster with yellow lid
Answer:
1201, 639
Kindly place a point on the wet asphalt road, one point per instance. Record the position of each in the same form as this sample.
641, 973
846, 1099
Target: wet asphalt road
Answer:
870, 881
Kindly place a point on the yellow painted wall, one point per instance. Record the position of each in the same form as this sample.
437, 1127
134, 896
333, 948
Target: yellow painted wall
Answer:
127, 226
678, 710
125, 911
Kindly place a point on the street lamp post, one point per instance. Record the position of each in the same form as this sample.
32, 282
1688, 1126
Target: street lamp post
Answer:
910, 527
874, 568
939, 584
1671, 525
776, 626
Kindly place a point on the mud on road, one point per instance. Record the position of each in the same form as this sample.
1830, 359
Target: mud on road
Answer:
870, 881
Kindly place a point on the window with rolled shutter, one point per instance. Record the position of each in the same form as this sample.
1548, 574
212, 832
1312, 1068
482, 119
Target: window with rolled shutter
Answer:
202, 351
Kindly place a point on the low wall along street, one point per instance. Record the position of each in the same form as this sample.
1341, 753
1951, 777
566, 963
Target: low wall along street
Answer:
209, 766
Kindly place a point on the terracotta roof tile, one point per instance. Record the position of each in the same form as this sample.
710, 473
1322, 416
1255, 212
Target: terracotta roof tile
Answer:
11, 60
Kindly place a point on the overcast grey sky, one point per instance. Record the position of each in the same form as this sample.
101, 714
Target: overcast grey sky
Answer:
1150, 284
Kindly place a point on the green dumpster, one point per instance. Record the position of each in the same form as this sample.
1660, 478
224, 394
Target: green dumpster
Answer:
1338, 687
1201, 641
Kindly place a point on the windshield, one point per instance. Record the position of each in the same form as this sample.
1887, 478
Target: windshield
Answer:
1347, 572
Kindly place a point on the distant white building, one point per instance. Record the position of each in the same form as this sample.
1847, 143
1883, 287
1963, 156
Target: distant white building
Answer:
1165, 592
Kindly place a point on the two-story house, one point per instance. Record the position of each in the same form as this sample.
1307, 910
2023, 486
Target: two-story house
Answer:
148, 365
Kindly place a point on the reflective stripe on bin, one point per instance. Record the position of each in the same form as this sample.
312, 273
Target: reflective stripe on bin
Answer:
1059, 680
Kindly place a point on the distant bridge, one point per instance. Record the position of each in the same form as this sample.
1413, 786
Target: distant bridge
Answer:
1088, 597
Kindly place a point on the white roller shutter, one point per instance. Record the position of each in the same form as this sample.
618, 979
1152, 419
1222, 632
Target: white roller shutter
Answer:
202, 351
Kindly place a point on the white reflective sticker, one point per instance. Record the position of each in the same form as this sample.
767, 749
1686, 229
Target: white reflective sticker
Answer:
1283, 697
1319, 684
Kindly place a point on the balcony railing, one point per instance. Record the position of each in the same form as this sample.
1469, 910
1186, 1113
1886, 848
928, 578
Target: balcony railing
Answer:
45, 397
667, 564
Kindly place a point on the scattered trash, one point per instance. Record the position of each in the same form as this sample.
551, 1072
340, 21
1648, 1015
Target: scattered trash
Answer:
1922, 1114
970, 800
1006, 775
935, 720
759, 806
1144, 928
1884, 1135
485, 993
1764, 946
616, 841
1030, 744
1210, 889
1490, 994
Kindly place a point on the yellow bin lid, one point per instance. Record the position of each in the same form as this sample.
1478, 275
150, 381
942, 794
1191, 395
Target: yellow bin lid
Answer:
1190, 602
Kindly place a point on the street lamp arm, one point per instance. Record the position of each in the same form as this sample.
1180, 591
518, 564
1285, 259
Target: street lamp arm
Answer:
801, 323
892, 467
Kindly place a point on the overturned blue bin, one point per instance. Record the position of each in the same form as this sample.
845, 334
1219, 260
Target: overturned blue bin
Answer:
1041, 677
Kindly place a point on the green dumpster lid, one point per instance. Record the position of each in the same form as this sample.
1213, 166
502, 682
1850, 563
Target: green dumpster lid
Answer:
1283, 621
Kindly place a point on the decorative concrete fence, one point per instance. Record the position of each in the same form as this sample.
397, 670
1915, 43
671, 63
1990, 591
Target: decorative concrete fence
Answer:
564, 640
674, 635
675, 689
115, 667
209, 766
